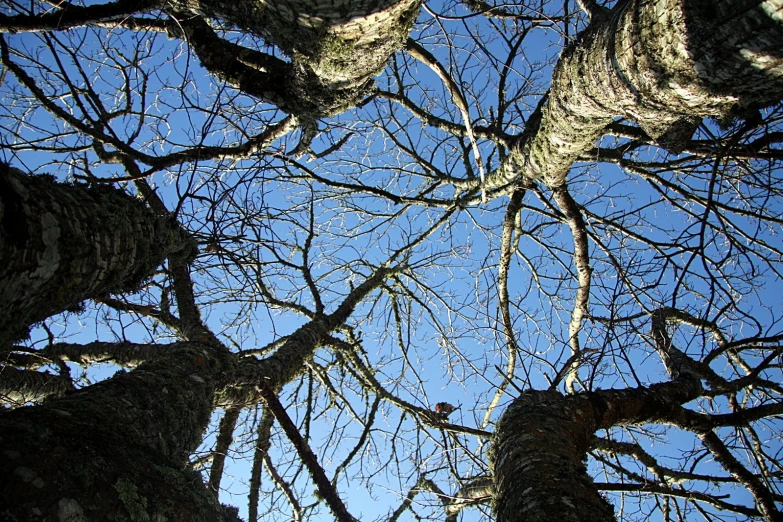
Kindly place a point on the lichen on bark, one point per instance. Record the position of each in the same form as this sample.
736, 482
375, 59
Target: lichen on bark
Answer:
663, 64
61, 244
336, 48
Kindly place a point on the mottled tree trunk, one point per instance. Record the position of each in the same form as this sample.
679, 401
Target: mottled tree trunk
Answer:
61, 244
661, 63
543, 438
540, 476
116, 450
336, 47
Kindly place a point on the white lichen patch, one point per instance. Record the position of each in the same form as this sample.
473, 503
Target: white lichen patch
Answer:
70, 511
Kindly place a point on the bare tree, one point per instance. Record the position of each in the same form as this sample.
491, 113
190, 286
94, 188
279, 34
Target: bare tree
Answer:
530, 271
156, 414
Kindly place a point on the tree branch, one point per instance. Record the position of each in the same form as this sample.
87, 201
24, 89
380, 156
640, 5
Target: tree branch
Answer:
325, 488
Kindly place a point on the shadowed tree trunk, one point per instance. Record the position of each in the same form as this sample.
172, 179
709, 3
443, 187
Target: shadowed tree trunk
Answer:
117, 449
21, 380
543, 437
335, 47
542, 440
663, 64
120, 447
61, 244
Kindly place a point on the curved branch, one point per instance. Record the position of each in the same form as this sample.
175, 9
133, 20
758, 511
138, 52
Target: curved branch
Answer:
696, 61
576, 223
424, 56
506, 254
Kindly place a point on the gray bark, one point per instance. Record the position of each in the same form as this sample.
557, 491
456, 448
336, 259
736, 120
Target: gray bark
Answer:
664, 64
21, 384
336, 48
121, 353
18, 387
542, 440
61, 244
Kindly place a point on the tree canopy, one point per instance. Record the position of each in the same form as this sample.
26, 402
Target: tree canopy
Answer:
391, 260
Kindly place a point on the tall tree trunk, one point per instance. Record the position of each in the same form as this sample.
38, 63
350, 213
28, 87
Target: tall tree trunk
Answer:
664, 64
61, 244
117, 450
539, 468
542, 440
336, 47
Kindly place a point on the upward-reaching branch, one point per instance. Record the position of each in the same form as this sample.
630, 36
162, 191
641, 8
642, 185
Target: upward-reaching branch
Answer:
289, 359
576, 223
663, 64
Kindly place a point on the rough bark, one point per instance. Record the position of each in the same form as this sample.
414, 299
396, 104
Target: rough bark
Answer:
121, 353
539, 468
20, 383
116, 450
543, 438
335, 47
664, 64
18, 387
61, 244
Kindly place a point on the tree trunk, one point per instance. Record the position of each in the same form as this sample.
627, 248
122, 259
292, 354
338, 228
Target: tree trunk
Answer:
664, 64
542, 440
540, 446
336, 47
61, 244
116, 450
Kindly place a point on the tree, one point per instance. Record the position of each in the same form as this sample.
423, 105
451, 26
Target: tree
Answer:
335, 48
119, 447
563, 220
64, 244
